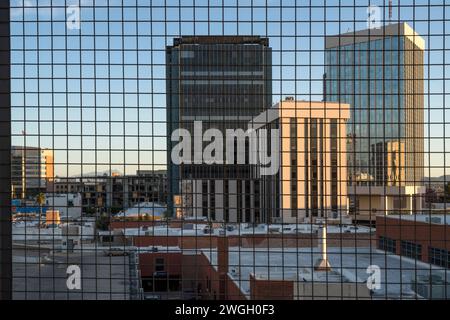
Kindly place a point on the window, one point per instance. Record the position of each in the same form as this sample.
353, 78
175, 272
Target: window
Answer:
159, 264
400, 202
411, 250
439, 257
387, 244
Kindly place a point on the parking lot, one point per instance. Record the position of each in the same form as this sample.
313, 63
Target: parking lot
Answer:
42, 274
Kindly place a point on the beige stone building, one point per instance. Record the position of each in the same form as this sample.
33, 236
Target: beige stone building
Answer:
312, 180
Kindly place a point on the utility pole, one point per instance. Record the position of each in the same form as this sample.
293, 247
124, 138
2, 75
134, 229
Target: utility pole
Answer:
5, 156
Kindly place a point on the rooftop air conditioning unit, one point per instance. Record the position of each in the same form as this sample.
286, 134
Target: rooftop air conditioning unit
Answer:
230, 228
235, 271
274, 230
433, 220
431, 287
277, 220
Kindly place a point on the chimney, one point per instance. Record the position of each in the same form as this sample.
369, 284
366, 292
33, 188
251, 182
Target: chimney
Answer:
323, 264
222, 254
222, 265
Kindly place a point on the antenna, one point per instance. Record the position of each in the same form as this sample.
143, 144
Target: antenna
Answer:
390, 10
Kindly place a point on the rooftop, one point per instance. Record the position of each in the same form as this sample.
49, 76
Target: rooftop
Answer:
220, 40
425, 218
348, 265
301, 109
394, 29
192, 229
153, 209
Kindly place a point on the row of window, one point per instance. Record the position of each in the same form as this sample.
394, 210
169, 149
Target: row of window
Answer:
387, 244
439, 257
436, 256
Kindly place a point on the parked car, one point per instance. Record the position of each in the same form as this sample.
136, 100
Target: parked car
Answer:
116, 252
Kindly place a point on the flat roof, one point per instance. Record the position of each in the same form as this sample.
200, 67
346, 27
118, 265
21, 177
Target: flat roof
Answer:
301, 109
347, 263
396, 29
243, 230
245, 39
425, 218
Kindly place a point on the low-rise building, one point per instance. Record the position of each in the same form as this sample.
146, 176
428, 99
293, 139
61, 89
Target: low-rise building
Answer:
69, 205
114, 193
370, 201
423, 237
240, 273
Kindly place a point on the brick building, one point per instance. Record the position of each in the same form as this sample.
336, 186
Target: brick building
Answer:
421, 237
234, 268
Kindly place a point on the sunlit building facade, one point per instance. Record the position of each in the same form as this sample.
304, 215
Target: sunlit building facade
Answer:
311, 181
379, 72
31, 170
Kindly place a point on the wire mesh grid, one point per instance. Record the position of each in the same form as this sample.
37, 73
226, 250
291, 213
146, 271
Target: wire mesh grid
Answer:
232, 150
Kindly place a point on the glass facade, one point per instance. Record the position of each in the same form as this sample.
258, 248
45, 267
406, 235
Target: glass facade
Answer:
370, 75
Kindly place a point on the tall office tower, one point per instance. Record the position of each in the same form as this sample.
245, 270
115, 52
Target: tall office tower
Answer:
222, 81
31, 170
379, 72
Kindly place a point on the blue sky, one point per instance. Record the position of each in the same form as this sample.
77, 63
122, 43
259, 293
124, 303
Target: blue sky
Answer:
124, 94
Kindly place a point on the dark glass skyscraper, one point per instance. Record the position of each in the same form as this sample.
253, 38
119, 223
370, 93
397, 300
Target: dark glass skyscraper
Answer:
222, 81
379, 72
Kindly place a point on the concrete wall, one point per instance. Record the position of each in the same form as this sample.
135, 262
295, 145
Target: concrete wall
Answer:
330, 291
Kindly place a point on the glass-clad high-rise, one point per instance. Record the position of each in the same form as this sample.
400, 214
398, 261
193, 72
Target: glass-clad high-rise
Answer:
379, 72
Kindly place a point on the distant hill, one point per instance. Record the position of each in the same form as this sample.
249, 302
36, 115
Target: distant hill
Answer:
445, 178
100, 173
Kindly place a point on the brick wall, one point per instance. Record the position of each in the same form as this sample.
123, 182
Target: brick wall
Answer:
351, 239
271, 289
258, 241
426, 234
172, 262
